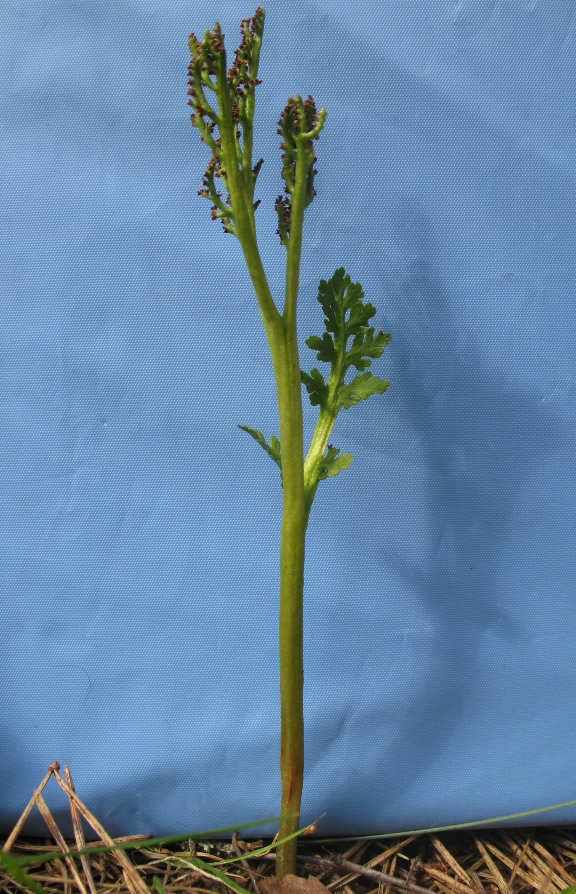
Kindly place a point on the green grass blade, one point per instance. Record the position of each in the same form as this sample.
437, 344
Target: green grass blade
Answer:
209, 869
12, 866
469, 825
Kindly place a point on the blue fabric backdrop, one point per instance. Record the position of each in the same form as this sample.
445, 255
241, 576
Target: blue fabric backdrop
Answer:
138, 544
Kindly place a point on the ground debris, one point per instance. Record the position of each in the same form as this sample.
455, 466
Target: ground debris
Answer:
490, 861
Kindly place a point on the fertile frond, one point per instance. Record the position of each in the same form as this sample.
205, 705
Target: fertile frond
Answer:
298, 126
225, 121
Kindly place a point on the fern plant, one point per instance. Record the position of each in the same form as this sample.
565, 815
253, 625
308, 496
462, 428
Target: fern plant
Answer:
222, 97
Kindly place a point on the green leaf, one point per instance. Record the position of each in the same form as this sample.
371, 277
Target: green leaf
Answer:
315, 386
334, 462
348, 341
366, 347
360, 388
324, 346
346, 316
272, 449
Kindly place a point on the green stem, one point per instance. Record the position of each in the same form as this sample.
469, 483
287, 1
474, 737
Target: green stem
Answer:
282, 339
292, 545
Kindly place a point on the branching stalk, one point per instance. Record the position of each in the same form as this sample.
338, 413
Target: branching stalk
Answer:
226, 126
